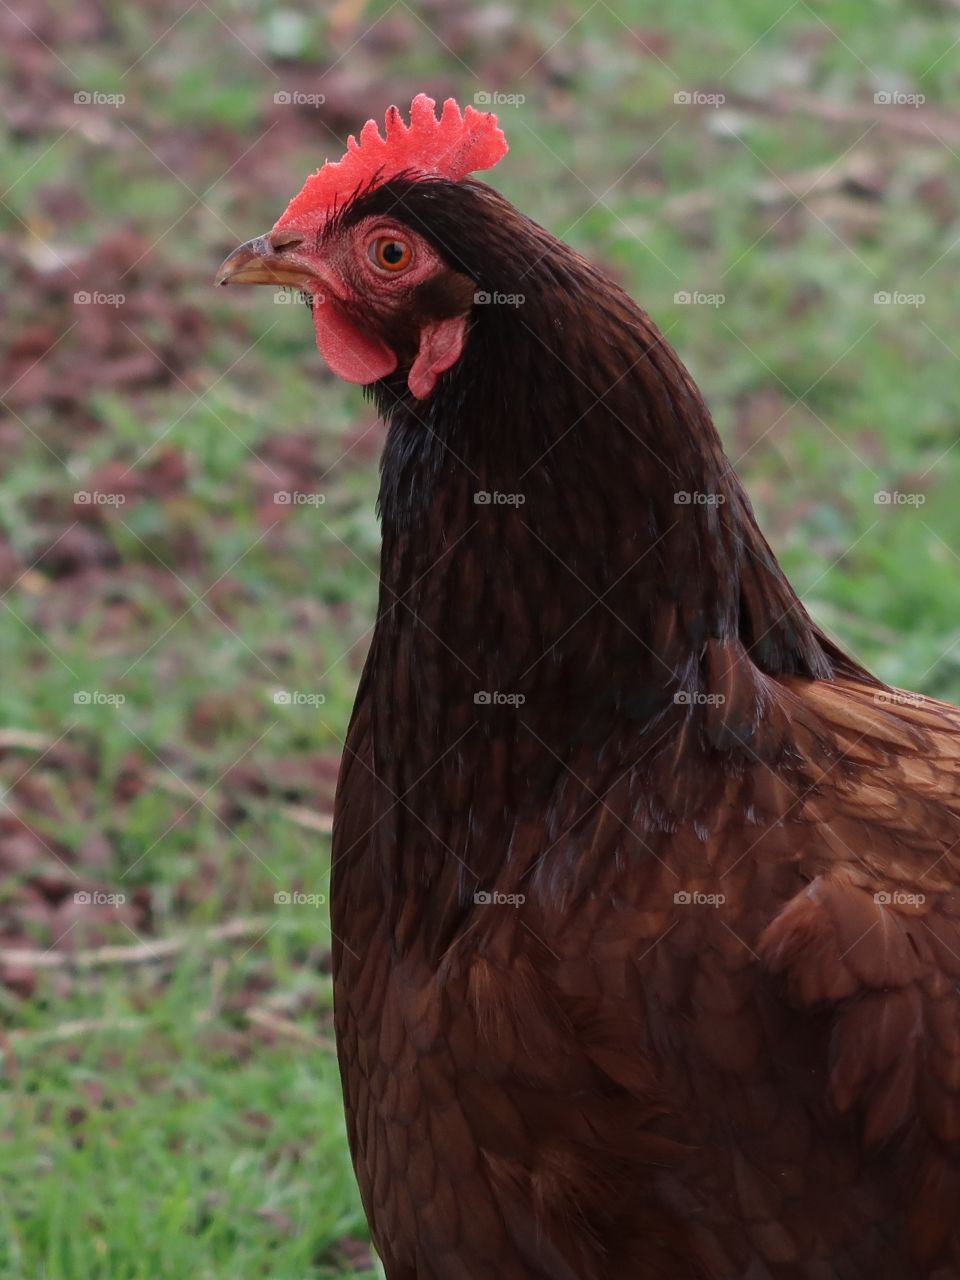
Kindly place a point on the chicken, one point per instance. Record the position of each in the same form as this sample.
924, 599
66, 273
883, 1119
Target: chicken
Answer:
644, 894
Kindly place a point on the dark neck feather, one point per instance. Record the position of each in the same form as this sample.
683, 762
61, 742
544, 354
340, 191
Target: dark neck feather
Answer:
573, 404
593, 625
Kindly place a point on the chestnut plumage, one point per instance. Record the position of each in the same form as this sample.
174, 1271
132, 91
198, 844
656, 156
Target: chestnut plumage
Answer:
646, 932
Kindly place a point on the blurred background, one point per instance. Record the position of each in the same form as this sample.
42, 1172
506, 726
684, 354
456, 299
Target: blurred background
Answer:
188, 545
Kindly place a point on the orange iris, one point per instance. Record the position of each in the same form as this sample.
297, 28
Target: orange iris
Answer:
390, 254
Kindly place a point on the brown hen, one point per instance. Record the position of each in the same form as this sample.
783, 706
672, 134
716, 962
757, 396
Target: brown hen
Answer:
647, 937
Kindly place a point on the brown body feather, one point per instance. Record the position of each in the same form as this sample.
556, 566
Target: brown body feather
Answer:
650, 971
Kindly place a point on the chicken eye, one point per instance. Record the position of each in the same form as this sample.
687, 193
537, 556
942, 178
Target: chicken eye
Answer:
389, 253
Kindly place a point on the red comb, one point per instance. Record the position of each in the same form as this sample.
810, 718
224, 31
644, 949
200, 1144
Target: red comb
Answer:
450, 147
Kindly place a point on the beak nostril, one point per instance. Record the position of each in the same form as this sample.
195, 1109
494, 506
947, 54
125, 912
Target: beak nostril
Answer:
278, 240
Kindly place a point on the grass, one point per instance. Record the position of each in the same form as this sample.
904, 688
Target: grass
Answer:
180, 1133
158, 1154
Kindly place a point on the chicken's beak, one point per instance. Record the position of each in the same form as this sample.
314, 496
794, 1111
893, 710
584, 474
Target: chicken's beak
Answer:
268, 259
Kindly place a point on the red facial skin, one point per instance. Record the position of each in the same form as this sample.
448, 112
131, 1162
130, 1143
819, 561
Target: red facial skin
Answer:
366, 313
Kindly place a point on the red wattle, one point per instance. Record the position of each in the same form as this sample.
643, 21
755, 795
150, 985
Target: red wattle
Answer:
351, 354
